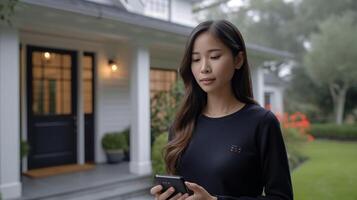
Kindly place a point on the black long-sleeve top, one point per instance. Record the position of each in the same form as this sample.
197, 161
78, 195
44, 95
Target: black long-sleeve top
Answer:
237, 156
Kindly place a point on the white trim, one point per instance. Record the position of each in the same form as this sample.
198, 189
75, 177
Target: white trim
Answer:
23, 93
80, 112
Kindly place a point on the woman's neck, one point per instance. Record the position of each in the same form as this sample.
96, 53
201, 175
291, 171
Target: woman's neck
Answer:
221, 103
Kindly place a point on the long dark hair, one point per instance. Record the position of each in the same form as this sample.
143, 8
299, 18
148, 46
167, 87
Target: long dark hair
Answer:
195, 98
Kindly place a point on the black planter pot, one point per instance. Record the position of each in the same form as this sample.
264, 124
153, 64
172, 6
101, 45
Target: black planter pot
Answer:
114, 156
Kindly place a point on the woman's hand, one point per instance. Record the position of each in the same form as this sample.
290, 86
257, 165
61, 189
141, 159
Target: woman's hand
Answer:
156, 191
199, 193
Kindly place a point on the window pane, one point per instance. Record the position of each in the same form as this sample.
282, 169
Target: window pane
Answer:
36, 58
66, 74
37, 72
52, 73
37, 100
67, 61
52, 96
161, 80
87, 62
87, 74
54, 60
87, 78
67, 104
87, 90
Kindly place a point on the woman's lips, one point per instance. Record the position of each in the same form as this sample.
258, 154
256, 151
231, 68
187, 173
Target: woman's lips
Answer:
207, 81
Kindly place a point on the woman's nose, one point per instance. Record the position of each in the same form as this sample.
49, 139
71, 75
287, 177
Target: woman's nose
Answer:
205, 68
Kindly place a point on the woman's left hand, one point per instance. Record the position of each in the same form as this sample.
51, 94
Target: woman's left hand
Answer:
199, 193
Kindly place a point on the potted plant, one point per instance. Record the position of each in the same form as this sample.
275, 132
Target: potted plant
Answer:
114, 145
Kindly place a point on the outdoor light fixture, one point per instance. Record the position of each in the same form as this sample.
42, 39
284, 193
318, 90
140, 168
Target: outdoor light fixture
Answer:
113, 65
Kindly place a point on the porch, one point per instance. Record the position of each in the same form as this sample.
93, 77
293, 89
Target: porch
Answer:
103, 182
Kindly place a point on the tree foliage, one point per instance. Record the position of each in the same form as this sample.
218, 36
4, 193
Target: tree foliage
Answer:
332, 59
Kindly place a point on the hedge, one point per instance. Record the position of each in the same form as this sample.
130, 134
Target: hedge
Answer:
157, 156
334, 131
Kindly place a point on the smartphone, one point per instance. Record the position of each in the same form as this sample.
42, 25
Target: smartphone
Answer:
177, 182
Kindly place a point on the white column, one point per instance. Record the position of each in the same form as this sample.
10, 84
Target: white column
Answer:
80, 111
279, 100
10, 185
258, 85
140, 152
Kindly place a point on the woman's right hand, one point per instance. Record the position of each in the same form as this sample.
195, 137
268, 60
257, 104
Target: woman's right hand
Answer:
156, 191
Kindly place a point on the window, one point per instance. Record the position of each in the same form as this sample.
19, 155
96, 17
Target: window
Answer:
161, 80
51, 83
87, 70
157, 8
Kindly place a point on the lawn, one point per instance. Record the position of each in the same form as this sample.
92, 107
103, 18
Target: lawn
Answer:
330, 173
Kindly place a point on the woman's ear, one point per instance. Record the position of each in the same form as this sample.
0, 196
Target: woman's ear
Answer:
239, 60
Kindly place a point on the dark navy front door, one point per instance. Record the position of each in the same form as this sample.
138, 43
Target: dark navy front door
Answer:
52, 94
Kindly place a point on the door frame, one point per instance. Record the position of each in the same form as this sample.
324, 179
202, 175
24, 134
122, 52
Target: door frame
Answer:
74, 93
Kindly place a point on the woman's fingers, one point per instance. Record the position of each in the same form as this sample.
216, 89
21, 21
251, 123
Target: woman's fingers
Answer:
167, 194
183, 197
156, 189
193, 186
176, 197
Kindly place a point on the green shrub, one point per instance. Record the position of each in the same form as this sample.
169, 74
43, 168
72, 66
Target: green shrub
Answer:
24, 148
158, 163
294, 141
126, 133
334, 131
114, 141
164, 106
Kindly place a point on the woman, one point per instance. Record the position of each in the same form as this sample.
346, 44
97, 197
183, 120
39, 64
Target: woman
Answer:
222, 142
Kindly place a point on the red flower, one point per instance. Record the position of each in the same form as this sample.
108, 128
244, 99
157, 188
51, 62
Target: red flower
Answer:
298, 121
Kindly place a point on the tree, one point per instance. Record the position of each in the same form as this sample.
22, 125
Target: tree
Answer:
332, 60
304, 95
288, 25
7, 9
262, 22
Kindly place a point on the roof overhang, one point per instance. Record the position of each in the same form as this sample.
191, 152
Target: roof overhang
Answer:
89, 18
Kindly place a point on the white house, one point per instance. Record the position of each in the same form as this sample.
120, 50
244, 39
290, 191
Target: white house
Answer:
60, 90
274, 93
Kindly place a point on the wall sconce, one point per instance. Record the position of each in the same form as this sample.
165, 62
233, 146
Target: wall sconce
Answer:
113, 65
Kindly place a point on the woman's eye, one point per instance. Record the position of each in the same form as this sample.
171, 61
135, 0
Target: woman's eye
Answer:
195, 60
215, 57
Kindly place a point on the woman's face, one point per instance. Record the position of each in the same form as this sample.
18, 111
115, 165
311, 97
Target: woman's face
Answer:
213, 64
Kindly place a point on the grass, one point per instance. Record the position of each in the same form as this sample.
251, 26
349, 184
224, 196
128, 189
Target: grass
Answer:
330, 173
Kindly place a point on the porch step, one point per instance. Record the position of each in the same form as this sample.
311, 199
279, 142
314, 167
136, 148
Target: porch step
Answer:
118, 190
